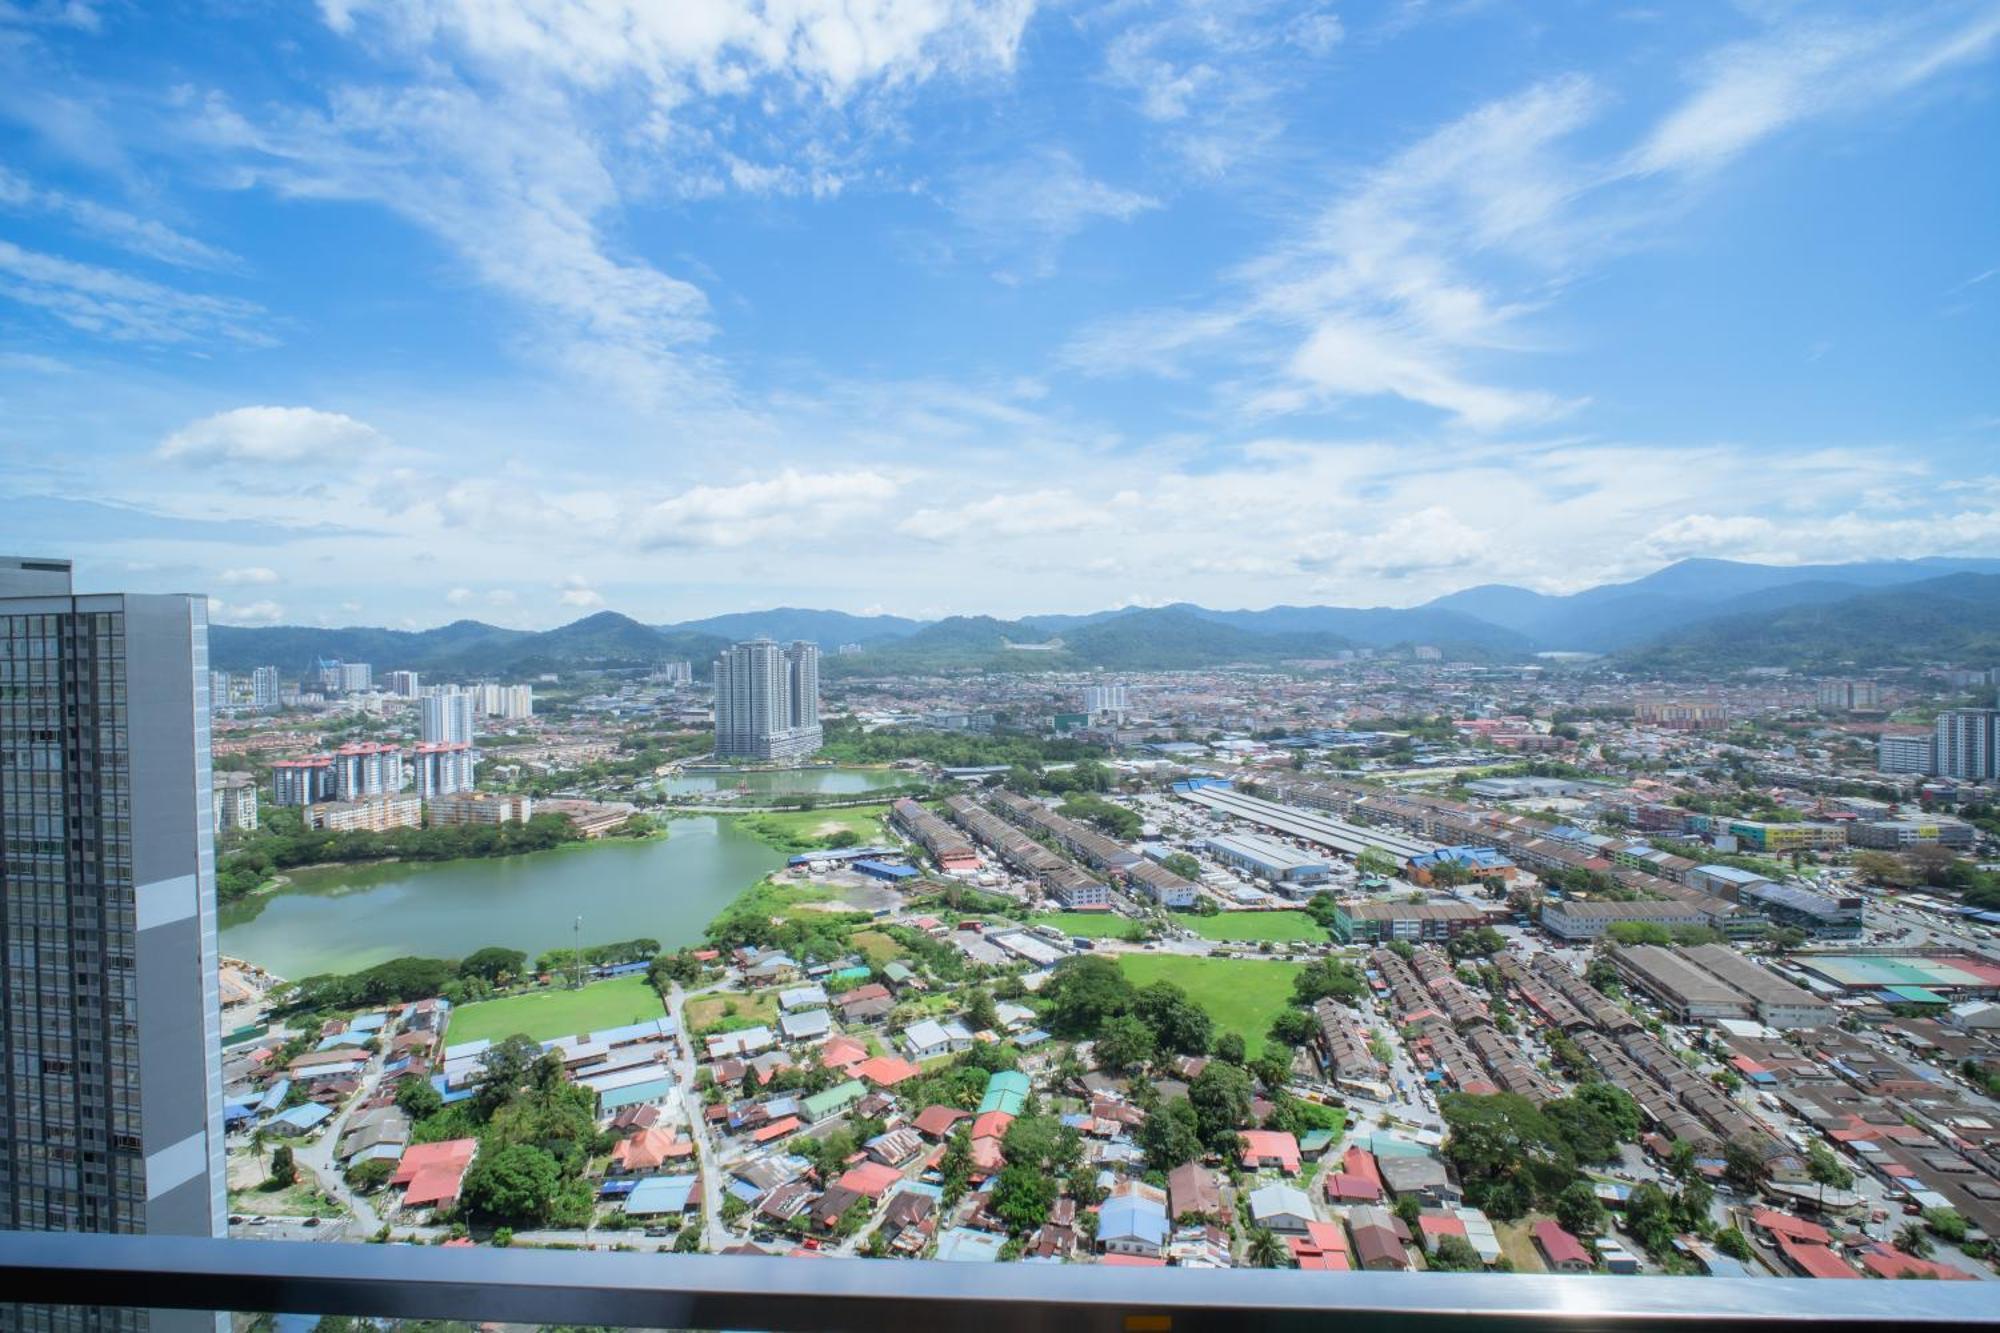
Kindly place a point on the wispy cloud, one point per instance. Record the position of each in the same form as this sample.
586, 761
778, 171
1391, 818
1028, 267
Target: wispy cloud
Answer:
270, 435
1020, 212
146, 237
122, 307
790, 506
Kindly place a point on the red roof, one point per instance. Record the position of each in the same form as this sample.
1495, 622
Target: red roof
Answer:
1890, 1262
1346, 1187
886, 1071
870, 1178
777, 1129
649, 1147
1784, 1224
1440, 1224
1559, 1245
841, 1052
937, 1121
991, 1125
1261, 1145
1814, 1260
430, 1172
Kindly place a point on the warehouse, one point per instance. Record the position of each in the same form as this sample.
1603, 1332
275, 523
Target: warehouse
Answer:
1267, 857
1586, 919
1779, 1003
1681, 988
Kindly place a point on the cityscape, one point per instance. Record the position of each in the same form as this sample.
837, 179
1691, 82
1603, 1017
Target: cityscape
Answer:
1143, 666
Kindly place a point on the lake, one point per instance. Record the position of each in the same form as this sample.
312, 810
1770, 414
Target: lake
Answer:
790, 782
344, 918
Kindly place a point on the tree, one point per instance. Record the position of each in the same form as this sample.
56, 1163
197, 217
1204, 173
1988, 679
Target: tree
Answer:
1084, 990
1171, 1136
1743, 1163
1824, 1169
419, 1099
1220, 1095
1273, 1068
1479, 942
1408, 1209
956, 1165
517, 1184
1735, 1244
1649, 1217
1265, 1250
979, 1012
1327, 978
1183, 865
1578, 1210
370, 1175
1123, 1043
1229, 1048
284, 1167
505, 1065
1022, 1197
1293, 1027
1911, 1240
1454, 1254
1178, 1023
494, 964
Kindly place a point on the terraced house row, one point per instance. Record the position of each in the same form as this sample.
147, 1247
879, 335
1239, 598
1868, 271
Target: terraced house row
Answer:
1064, 882
951, 850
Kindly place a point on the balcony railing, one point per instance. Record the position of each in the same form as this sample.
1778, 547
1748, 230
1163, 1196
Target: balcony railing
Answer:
703, 1291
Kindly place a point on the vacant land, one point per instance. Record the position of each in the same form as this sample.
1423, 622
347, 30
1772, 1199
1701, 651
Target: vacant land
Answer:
1281, 927
1242, 995
809, 830
875, 946
731, 1011
558, 1013
1092, 925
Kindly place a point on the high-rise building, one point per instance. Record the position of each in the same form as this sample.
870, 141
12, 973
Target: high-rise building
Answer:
111, 1081
296, 782
767, 700
679, 672
1968, 744
356, 677
1905, 754
235, 803
326, 674
403, 684
1849, 696
219, 686
443, 768
449, 717
264, 688
362, 769
1104, 700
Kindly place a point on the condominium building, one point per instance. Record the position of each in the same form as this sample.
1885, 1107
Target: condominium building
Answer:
297, 782
1968, 744
356, 677
1849, 696
362, 769
378, 815
403, 684
508, 701
1906, 754
111, 1083
235, 803
444, 768
767, 700
467, 808
449, 717
1105, 700
1681, 715
265, 691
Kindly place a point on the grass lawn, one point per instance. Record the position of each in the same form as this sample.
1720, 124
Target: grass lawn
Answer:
875, 946
1090, 925
558, 1013
807, 830
1517, 1244
1280, 926
751, 1010
1242, 995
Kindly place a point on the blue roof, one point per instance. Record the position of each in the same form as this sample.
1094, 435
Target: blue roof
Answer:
1133, 1215
962, 1245
661, 1194
445, 1090
367, 1022
275, 1095
883, 870
307, 1115
614, 1189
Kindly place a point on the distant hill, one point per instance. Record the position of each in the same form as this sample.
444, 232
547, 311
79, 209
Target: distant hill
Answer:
1622, 615
466, 647
1954, 618
828, 629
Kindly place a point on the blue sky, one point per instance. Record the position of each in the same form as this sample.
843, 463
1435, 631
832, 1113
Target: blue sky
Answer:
517, 309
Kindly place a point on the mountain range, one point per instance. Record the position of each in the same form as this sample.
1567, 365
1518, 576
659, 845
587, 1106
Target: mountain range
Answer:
1696, 614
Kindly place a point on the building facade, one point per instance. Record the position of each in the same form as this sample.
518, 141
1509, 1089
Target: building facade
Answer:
1968, 744
264, 687
1849, 696
111, 1088
767, 700
235, 803
448, 718
444, 768
1906, 754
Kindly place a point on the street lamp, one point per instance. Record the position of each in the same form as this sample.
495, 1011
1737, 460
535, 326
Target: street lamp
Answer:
576, 954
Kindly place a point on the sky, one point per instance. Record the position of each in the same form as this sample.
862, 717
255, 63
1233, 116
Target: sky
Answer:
400, 313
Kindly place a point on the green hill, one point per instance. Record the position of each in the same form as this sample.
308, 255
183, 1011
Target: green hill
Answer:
1955, 618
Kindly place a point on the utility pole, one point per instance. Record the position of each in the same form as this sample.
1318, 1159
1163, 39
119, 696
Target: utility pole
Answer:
576, 954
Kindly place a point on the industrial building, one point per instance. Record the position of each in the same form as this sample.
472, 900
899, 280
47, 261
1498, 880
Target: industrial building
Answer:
1306, 825
1373, 923
1267, 858
1820, 915
1588, 918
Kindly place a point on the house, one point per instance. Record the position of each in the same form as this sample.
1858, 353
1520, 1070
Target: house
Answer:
1427, 1178
1270, 1148
1433, 1227
658, 1196
1809, 1260
1564, 1252
912, 1213
866, 1004
1194, 1191
1323, 1247
1378, 1245
1006, 1091
774, 1130
301, 1119
786, 1201
900, 977
1014, 1017
1358, 1180
870, 1179
649, 1149
897, 1147
926, 1040
836, 1099
809, 1025
833, 1206
1200, 1247
743, 1043
886, 1071
802, 997
1281, 1207
1889, 1262
429, 1174
1133, 1221
842, 1053
937, 1122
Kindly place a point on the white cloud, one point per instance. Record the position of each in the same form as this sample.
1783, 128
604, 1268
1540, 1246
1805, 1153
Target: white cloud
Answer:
576, 591
459, 596
121, 307
1032, 514
245, 613
1021, 212
788, 506
146, 237
268, 435
502, 597
248, 574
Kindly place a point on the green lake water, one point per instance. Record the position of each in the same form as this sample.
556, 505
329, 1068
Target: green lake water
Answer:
344, 918
790, 782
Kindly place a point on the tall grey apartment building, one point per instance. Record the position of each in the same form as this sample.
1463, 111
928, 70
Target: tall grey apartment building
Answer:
767, 700
1968, 744
110, 1051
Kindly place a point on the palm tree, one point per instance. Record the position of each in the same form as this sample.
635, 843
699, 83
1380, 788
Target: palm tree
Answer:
1912, 1241
1265, 1249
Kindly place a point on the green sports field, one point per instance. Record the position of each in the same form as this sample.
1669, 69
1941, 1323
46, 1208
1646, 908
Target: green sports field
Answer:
558, 1013
1242, 995
1279, 927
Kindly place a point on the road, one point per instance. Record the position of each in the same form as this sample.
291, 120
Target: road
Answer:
318, 1155
715, 1236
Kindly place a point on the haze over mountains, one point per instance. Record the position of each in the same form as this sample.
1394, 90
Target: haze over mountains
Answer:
1696, 614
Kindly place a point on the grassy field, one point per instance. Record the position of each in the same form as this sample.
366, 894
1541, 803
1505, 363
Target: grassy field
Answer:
1280, 926
796, 831
1242, 995
876, 947
558, 1013
1090, 925
751, 1010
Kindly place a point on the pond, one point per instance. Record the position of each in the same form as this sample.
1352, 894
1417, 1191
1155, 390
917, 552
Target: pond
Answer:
343, 918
